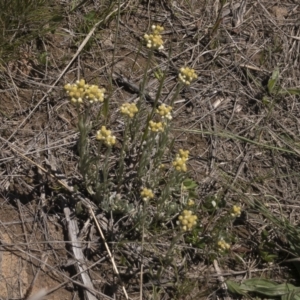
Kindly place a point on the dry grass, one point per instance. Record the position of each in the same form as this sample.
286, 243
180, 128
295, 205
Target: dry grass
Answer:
242, 135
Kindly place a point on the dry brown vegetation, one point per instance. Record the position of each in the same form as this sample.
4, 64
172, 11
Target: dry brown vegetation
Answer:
239, 119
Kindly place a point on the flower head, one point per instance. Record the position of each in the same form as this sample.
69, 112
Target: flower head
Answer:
76, 91
187, 220
80, 90
161, 167
235, 211
94, 94
147, 194
180, 160
105, 135
190, 202
154, 40
184, 154
165, 111
156, 126
187, 75
222, 245
157, 29
129, 109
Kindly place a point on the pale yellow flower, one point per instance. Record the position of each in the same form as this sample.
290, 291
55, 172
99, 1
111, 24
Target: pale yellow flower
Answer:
190, 202
180, 160
80, 91
187, 75
129, 109
94, 94
156, 126
235, 211
165, 111
147, 194
223, 246
105, 135
76, 91
187, 220
154, 40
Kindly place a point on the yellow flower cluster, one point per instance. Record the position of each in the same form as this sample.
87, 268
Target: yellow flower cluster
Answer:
94, 93
147, 194
180, 161
154, 40
161, 166
187, 75
80, 91
222, 245
190, 202
105, 135
156, 126
235, 211
187, 220
129, 109
165, 111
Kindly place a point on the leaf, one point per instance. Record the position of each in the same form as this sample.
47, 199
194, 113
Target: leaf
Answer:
254, 284
293, 295
57, 18
266, 288
273, 80
266, 100
159, 74
279, 290
90, 16
105, 108
234, 288
189, 184
291, 91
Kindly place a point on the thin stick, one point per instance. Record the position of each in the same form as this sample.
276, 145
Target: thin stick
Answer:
78, 254
220, 278
29, 290
108, 251
142, 267
74, 276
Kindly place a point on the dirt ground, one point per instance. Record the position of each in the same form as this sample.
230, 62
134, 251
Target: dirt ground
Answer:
243, 139
25, 249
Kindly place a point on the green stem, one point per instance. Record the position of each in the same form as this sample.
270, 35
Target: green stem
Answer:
106, 171
122, 156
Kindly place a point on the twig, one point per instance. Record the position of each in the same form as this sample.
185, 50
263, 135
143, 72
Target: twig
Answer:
213, 138
74, 276
125, 82
108, 251
29, 290
142, 264
78, 254
221, 278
